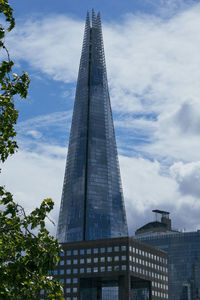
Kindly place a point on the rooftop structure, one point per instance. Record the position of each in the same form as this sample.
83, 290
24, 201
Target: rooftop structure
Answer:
162, 224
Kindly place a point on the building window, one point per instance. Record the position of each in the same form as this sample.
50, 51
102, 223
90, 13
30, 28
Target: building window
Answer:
123, 248
96, 259
61, 272
88, 260
116, 258
75, 290
68, 261
82, 260
102, 250
68, 271
95, 270
68, 280
75, 280
102, 259
75, 261
109, 258
102, 269
62, 262
69, 252
109, 249
62, 253
88, 251
116, 248
88, 270
55, 272
82, 251
68, 290
123, 257
75, 252
123, 267
109, 268
116, 268
81, 270
75, 271
95, 250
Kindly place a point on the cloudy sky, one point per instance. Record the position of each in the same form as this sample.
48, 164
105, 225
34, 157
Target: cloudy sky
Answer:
152, 53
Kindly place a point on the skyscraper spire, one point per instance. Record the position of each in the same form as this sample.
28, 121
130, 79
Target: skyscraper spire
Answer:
92, 205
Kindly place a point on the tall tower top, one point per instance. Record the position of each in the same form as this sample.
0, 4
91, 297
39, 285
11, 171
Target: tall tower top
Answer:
92, 205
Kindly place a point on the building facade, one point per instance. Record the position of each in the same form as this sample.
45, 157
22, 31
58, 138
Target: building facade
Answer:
183, 257
112, 269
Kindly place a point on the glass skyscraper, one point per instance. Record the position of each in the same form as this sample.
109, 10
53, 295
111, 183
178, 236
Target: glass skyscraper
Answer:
98, 260
92, 205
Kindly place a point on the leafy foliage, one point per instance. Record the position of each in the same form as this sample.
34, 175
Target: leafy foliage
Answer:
10, 85
28, 253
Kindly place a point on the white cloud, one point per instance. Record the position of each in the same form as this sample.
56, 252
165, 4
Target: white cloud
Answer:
188, 178
34, 133
147, 188
51, 45
56, 119
154, 75
153, 67
31, 177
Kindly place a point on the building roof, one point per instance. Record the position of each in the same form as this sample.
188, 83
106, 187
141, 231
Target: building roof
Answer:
153, 225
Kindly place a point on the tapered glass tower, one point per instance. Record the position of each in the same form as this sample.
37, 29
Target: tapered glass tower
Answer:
98, 260
92, 205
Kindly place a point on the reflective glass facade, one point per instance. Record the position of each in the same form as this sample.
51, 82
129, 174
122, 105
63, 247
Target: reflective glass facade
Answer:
92, 205
183, 262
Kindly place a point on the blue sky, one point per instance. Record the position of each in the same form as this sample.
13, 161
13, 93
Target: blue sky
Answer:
152, 56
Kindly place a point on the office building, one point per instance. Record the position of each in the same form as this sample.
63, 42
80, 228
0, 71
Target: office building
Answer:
113, 269
183, 255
